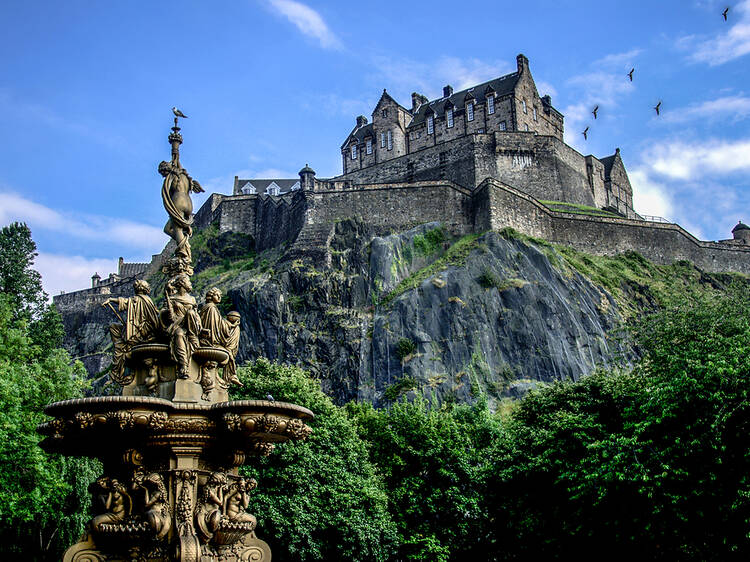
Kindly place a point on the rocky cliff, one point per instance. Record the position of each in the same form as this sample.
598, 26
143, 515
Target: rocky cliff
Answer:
420, 309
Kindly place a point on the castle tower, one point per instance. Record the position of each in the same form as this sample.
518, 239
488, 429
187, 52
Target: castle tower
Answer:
307, 178
741, 233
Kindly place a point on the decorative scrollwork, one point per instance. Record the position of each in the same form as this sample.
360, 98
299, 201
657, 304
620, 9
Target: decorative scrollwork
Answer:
297, 429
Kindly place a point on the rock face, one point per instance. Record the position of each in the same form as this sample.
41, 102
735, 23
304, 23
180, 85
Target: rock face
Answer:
417, 310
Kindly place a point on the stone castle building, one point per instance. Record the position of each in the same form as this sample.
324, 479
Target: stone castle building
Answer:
487, 157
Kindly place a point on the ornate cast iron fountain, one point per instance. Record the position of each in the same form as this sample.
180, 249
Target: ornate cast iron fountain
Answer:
172, 443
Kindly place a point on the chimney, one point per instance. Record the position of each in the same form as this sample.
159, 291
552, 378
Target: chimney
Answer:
546, 101
120, 262
447, 91
417, 100
361, 121
523, 63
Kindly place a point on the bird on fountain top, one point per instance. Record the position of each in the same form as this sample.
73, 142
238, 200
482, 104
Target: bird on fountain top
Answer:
178, 113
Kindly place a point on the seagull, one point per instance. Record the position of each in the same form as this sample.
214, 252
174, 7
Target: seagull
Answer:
725, 12
178, 113
269, 398
585, 134
657, 106
630, 74
595, 110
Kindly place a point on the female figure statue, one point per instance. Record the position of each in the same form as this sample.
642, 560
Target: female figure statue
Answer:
175, 194
182, 322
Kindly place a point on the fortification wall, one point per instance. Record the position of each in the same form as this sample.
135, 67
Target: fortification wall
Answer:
452, 161
499, 205
542, 166
278, 219
396, 206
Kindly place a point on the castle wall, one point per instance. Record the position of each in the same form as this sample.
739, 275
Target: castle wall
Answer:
395, 206
278, 219
542, 166
662, 243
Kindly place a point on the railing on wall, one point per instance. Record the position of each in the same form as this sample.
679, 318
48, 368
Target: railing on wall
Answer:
652, 218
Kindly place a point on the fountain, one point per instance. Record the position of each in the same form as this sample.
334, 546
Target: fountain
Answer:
172, 442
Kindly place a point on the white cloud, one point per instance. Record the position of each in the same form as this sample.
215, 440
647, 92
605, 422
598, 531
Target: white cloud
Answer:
690, 161
70, 273
404, 75
728, 45
14, 207
736, 107
308, 21
649, 196
619, 60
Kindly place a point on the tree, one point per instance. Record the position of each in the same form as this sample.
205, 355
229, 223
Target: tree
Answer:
319, 499
433, 463
17, 277
43, 498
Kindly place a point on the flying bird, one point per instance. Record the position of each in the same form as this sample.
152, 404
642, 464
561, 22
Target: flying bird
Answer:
630, 74
269, 398
178, 113
595, 110
585, 134
657, 106
725, 12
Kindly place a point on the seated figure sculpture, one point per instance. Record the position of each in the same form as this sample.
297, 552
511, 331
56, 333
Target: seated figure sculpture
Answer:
221, 332
139, 325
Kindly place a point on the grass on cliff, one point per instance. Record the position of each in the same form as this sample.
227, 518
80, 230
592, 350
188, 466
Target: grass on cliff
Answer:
576, 209
634, 282
455, 255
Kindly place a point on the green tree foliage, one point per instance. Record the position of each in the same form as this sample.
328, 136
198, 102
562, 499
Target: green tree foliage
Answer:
319, 499
433, 463
43, 498
653, 462
17, 277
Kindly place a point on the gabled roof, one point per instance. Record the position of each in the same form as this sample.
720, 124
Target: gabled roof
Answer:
262, 185
358, 133
388, 96
501, 86
608, 162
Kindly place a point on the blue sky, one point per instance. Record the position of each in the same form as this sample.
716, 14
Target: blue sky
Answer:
270, 85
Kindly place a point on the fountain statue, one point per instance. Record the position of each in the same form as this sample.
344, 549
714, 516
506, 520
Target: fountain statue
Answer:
172, 442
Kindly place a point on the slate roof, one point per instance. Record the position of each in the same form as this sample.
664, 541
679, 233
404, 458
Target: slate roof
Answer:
502, 86
359, 133
262, 184
608, 162
131, 269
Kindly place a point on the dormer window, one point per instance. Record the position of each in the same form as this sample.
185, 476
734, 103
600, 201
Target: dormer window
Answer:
249, 189
470, 111
354, 152
523, 106
382, 140
490, 105
449, 117
390, 140
273, 189
368, 146
430, 124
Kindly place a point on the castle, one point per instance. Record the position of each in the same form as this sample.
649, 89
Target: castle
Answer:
487, 157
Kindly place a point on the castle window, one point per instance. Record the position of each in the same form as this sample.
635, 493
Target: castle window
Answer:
384, 113
470, 111
390, 140
503, 126
449, 118
354, 152
430, 124
534, 113
368, 146
442, 158
273, 189
490, 105
382, 140
523, 105
526, 127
